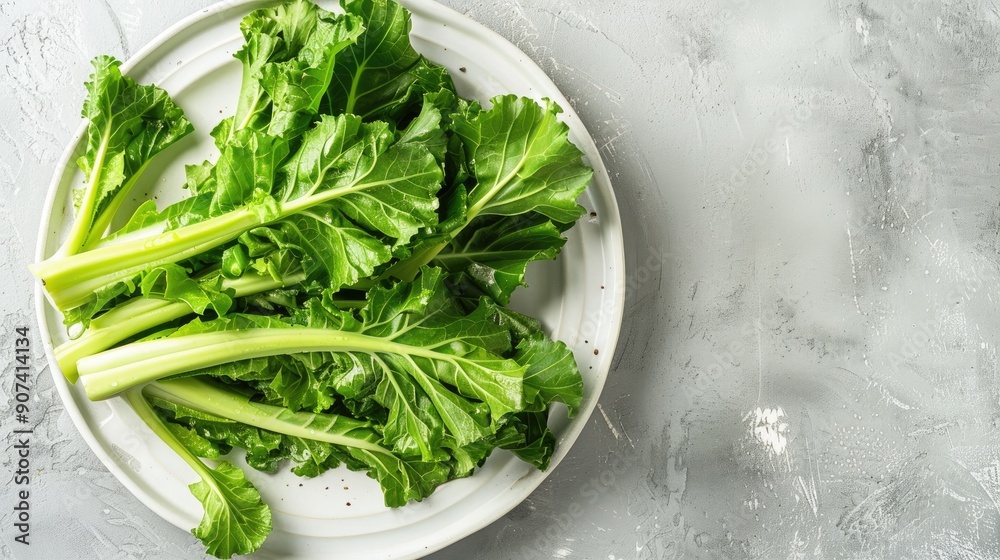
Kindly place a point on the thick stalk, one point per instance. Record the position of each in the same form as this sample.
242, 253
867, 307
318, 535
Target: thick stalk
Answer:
71, 281
408, 268
142, 314
135, 317
81, 225
103, 221
108, 373
211, 399
146, 413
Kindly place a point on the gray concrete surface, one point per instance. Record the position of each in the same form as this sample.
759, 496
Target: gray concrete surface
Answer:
813, 370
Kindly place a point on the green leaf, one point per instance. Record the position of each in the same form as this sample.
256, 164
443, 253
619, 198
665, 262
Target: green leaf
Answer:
521, 160
402, 480
297, 86
128, 124
518, 160
469, 295
334, 250
198, 445
299, 387
380, 186
287, 62
335, 153
414, 425
171, 282
312, 458
253, 104
465, 459
551, 375
535, 443
494, 252
248, 165
199, 178
381, 76
235, 520
397, 197
427, 128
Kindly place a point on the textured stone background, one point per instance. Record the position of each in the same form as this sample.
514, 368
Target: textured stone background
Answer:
813, 369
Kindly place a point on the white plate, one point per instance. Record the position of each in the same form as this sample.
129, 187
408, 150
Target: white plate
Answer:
579, 298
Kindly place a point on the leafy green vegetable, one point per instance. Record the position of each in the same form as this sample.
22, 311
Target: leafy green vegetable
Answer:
351, 167
142, 314
129, 123
551, 374
411, 342
333, 292
495, 252
521, 159
381, 76
402, 479
534, 442
235, 521
288, 63
520, 162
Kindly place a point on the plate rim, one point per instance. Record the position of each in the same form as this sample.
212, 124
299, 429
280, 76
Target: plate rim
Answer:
610, 218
